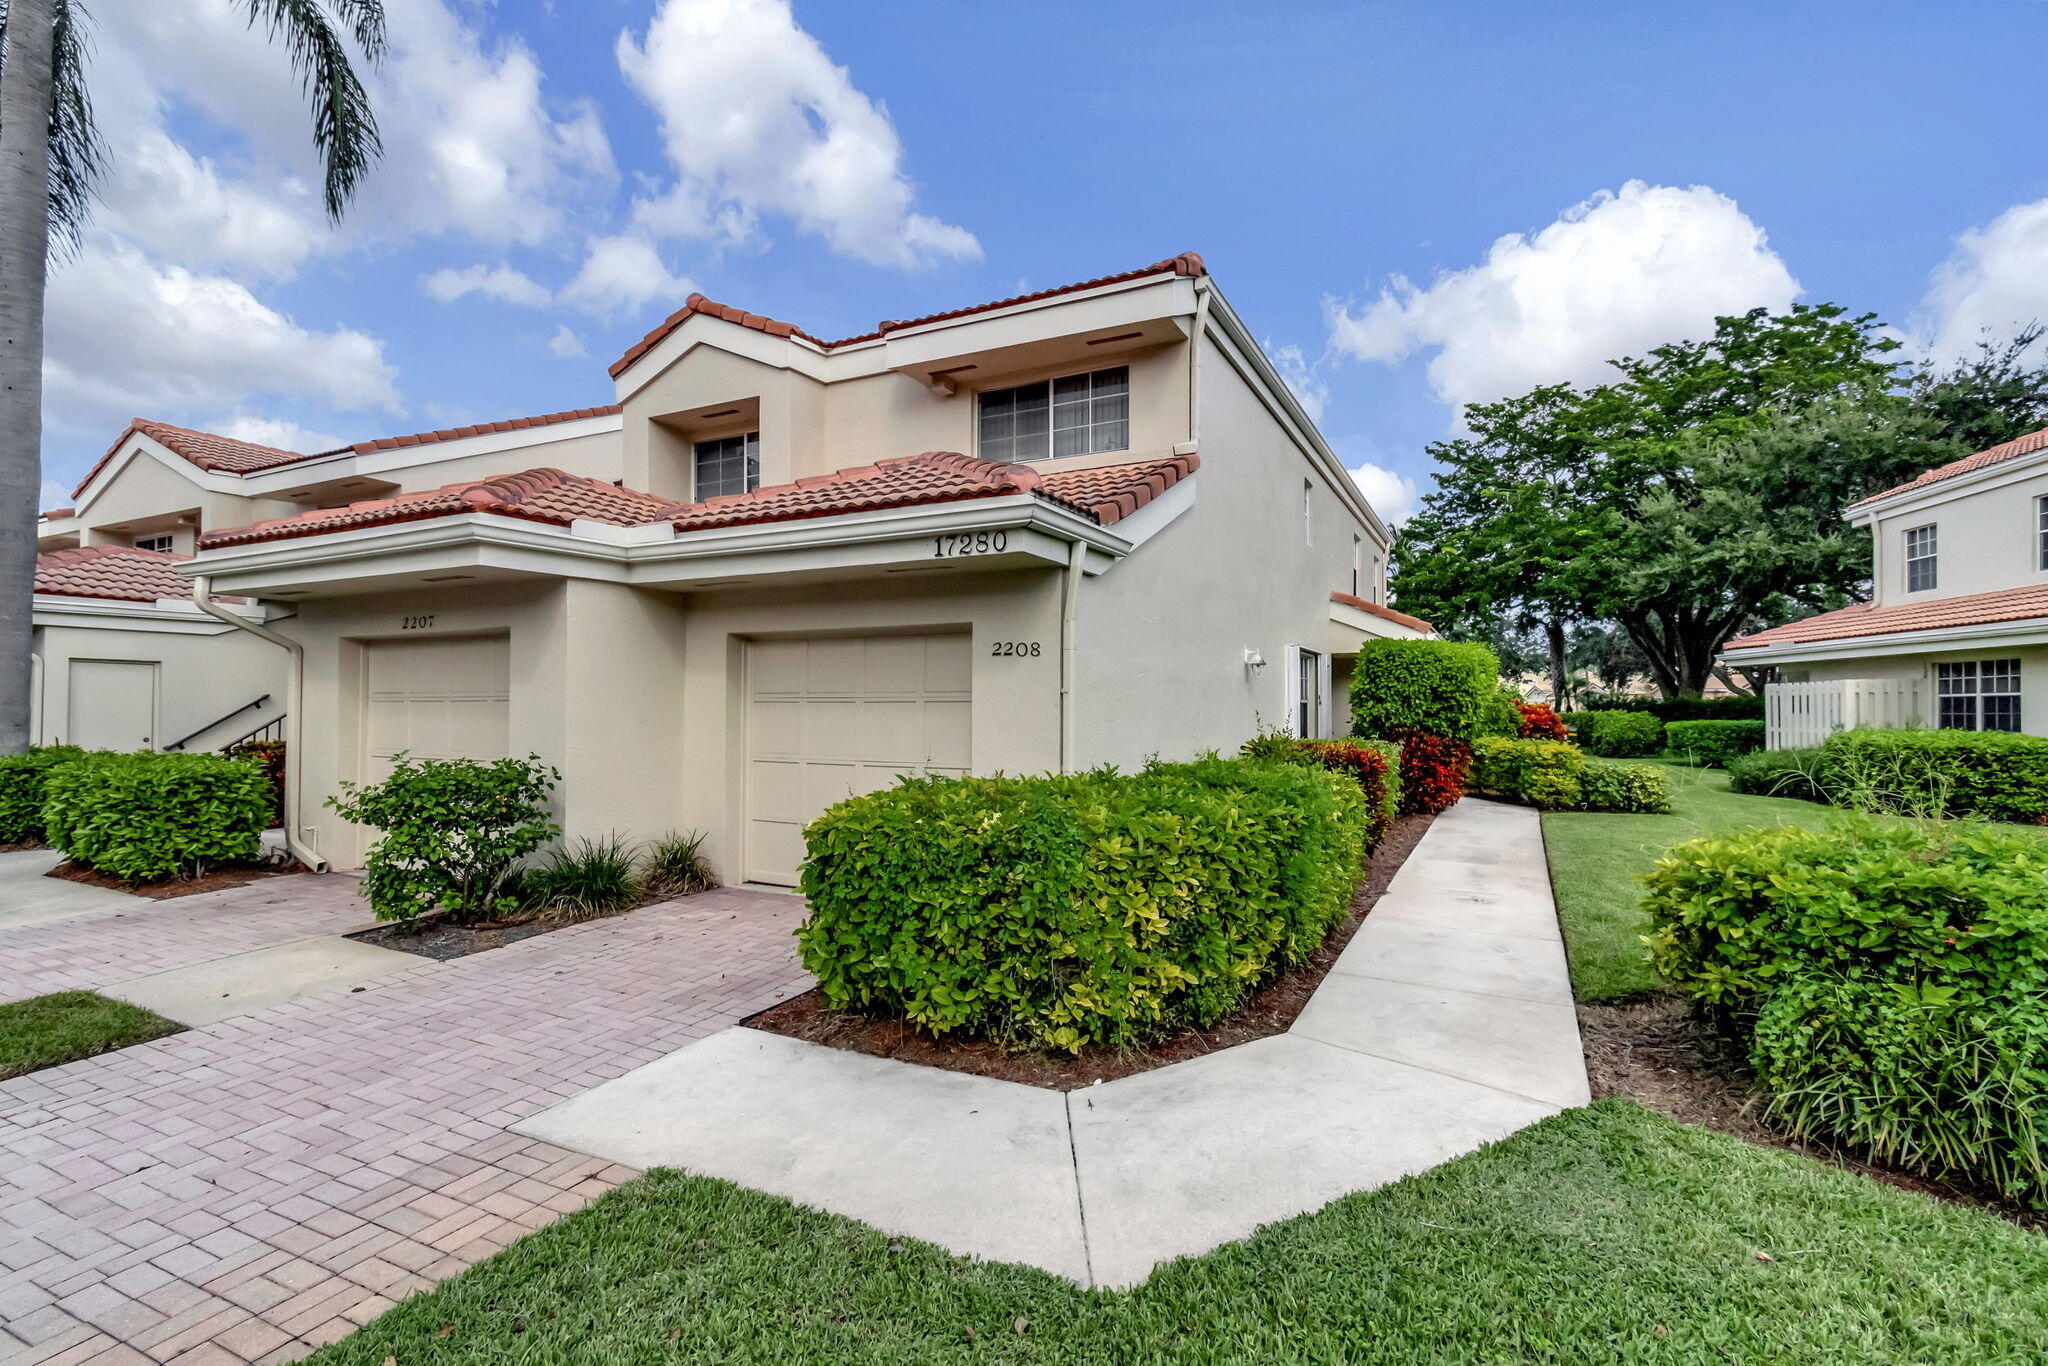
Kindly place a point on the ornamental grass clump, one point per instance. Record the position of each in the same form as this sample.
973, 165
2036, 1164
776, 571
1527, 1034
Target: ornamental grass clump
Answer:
452, 831
1078, 910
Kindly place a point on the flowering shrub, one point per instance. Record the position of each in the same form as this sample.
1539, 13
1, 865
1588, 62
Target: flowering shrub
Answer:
1539, 722
1433, 770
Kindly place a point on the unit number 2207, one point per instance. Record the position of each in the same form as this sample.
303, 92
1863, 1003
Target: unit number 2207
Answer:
970, 543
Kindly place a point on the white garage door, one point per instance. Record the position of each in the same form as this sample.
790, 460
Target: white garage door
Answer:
112, 704
831, 717
435, 699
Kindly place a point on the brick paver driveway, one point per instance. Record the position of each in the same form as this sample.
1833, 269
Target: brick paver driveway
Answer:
252, 1189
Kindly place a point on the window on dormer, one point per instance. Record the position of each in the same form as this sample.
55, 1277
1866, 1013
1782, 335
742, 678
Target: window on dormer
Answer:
163, 543
1072, 415
731, 464
1920, 559
2041, 531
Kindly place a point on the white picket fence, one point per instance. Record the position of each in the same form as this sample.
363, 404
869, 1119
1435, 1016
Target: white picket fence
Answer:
1797, 715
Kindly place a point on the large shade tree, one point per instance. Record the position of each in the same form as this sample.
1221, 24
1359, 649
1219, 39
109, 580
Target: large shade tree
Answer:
51, 157
1695, 495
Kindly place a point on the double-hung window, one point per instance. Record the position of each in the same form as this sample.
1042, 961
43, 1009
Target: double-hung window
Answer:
2041, 532
1979, 694
731, 464
1071, 415
1920, 559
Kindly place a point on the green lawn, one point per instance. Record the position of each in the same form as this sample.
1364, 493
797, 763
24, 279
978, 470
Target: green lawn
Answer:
46, 1030
1595, 860
1606, 1234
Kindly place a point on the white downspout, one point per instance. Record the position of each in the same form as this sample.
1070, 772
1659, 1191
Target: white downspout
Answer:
1070, 606
1194, 441
294, 717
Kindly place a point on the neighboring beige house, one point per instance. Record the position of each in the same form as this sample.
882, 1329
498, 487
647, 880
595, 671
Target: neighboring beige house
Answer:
1083, 526
1956, 631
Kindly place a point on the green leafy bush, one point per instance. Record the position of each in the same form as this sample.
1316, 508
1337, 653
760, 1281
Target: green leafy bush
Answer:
1422, 687
452, 830
1714, 743
1501, 714
1949, 1083
584, 877
1539, 773
1778, 773
1956, 905
145, 817
1691, 708
1619, 734
21, 790
1374, 764
1636, 788
1992, 774
1077, 909
269, 755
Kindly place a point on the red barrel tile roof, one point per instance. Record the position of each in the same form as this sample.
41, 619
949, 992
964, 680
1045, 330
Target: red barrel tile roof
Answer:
538, 495
907, 481
1187, 263
1868, 619
111, 571
1969, 464
207, 450
1381, 611
1110, 493
514, 424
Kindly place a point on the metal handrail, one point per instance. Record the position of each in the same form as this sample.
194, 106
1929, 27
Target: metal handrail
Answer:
246, 706
270, 730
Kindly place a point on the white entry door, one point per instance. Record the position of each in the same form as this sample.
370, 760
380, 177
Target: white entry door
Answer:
829, 717
112, 704
435, 699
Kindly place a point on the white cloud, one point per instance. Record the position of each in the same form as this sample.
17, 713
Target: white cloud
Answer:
129, 337
1393, 496
1995, 281
1304, 377
622, 273
757, 119
566, 344
282, 433
1616, 275
53, 496
502, 283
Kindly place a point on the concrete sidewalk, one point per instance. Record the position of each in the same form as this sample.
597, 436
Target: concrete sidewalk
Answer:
1447, 1023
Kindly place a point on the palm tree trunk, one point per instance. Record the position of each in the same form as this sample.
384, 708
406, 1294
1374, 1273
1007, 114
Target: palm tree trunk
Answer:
25, 95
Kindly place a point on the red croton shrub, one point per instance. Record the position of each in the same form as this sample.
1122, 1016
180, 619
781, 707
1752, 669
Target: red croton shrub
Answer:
1368, 764
1539, 722
1433, 769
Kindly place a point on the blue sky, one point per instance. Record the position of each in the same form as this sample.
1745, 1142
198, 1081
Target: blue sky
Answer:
561, 173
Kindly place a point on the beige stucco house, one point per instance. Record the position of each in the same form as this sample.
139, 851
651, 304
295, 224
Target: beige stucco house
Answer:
1956, 631
1083, 526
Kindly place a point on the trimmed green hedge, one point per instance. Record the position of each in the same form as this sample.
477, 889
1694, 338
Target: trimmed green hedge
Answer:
1778, 773
1501, 714
146, 817
1619, 734
21, 790
1078, 909
1989, 773
1714, 743
1374, 764
1422, 687
1690, 708
1539, 773
1635, 788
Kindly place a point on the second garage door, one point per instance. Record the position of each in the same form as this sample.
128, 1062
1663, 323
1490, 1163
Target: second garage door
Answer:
435, 699
831, 717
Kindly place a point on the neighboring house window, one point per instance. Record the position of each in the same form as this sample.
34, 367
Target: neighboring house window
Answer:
1308, 705
163, 543
731, 464
1072, 415
1919, 559
1979, 695
2041, 530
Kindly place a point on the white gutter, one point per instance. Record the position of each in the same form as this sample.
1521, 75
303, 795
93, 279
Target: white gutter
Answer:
1070, 609
294, 717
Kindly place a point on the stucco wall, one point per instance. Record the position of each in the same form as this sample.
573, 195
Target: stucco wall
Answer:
146, 488
199, 677
1986, 540
2033, 675
598, 456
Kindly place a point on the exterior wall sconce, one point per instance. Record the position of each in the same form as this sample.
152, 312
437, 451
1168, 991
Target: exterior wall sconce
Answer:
1254, 662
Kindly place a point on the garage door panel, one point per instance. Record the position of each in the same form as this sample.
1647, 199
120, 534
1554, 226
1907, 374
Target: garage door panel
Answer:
867, 712
436, 699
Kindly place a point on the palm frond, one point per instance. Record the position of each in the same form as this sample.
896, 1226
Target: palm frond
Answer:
344, 128
78, 155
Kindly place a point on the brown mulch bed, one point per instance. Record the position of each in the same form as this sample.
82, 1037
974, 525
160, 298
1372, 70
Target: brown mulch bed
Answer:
1269, 1011
213, 880
22, 846
442, 941
1657, 1053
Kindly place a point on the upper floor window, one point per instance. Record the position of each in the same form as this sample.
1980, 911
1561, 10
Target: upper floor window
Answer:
1919, 559
1357, 566
163, 543
1979, 694
2041, 531
731, 464
1072, 415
